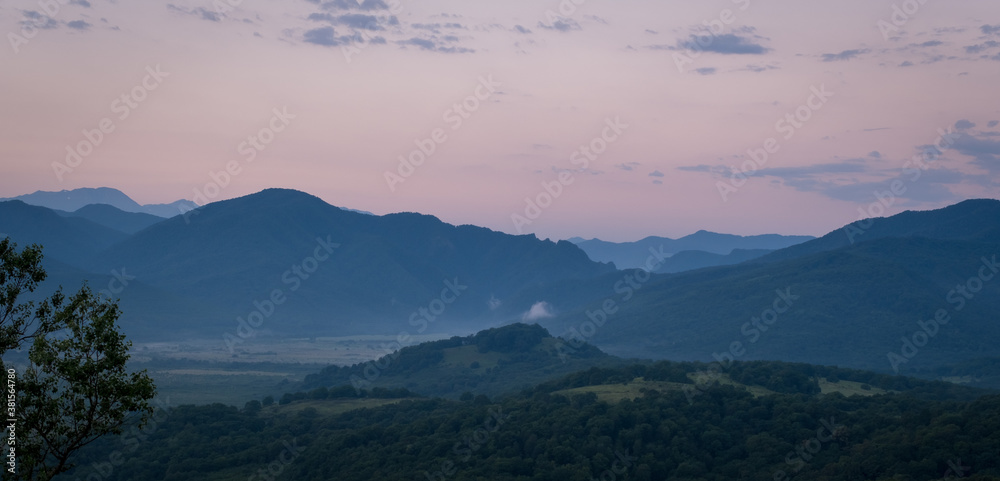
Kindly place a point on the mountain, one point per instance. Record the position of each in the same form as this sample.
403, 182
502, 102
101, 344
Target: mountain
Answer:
291, 264
691, 260
114, 218
841, 304
632, 255
967, 220
70, 240
496, 361
167, 211
73, 200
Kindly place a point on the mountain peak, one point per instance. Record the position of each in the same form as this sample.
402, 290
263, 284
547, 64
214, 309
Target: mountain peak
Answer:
73, 200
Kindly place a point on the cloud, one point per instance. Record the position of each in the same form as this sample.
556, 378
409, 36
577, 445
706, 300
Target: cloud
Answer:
982, 47
520, 29
33, 19
82, 3
627, 166
436, 27
359, 21
845, 55
875, 154
367, 5
759, 68
78, 25
539, 310
793, 173
656, 173
727, 44
992, 123
431, 45
845, 181
200, 12
562, 24
324, 36
929, 43
322, 17
990, 29
419, 42
852, 180
932, 186
906, 64
964, 125
985, 152
702, 168
705, 70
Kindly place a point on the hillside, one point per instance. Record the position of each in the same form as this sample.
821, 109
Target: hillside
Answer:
70, 240
114, 218
691, 260
851, 306
295, 265
976, 219
632, 255
563, 430
496, 361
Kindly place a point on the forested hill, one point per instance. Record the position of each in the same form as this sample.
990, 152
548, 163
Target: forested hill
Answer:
670, 426
491, 362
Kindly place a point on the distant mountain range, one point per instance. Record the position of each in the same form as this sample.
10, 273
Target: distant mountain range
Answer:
304, 266
73, 200
285, 263
705, 249
826, 301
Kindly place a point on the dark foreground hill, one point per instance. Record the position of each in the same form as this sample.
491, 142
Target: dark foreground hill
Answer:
753, 421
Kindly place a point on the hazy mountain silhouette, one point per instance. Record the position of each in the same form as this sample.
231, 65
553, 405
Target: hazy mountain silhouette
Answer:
73, 200
631, 255
852, 304
115, 218
337, 271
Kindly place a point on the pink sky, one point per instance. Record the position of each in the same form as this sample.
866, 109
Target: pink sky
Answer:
560, 78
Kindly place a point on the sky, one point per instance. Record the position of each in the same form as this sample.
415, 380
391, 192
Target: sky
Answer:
590, 118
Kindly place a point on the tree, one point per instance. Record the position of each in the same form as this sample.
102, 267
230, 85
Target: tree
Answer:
76, 387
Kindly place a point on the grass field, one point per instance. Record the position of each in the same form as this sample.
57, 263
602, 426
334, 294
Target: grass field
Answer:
233, 387
848, 388
613, 393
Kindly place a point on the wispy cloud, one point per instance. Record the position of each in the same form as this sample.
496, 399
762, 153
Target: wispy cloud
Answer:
845, 55
727, 44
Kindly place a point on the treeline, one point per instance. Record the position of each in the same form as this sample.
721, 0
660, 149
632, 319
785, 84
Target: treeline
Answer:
342, 392
724, 433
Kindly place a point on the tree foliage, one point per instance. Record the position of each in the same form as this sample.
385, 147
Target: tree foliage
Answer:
75, 386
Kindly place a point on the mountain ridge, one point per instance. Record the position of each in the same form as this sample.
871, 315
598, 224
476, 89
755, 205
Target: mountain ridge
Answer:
73, 200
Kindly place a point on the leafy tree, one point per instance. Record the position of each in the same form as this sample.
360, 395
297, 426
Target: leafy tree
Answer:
75, 388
